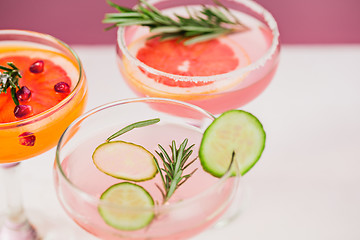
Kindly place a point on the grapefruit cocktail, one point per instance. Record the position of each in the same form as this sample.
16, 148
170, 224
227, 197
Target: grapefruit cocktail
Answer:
43, 89
143, 174
221, 73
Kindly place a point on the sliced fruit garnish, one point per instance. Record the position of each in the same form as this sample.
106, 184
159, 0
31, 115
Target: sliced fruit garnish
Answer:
201, 59
127, 206
39, 76
204, 59
125, 160
234, 131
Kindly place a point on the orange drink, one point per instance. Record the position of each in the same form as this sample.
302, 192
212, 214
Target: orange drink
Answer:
42, 90
51, 109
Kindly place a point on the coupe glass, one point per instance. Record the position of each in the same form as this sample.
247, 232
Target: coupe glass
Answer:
257, 50
46, 126
196, 204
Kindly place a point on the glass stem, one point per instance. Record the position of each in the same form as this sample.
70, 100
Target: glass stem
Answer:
13, 198
16, 225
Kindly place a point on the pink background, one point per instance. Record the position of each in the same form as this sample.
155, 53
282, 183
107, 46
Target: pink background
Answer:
79, 21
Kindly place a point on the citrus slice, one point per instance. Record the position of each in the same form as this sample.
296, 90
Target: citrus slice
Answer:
125, 160
126, 206
209, 58
39, 81
234, 131
200, 59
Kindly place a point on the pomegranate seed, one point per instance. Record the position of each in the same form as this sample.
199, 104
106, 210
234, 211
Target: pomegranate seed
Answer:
62, 87
22, 110
23, 94
37, 67
27, 139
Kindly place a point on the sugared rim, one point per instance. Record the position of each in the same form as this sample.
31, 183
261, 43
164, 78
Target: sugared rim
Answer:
95, 199
51, 110
269, 19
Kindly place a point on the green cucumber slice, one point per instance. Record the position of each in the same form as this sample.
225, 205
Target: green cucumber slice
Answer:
125, 160
233, 131
128, 207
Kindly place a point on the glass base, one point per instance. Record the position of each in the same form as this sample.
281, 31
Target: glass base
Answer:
237, 207
16, 231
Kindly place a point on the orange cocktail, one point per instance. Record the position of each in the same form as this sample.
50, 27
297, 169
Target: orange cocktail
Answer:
42, 90
52, 108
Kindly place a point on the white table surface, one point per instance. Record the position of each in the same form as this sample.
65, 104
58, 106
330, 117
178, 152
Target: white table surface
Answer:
307, 183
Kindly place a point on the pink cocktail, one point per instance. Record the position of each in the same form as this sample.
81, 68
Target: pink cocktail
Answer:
196, 204
217, 75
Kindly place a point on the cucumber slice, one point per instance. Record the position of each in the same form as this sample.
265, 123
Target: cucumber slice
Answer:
129, 210
125, 160
233, 131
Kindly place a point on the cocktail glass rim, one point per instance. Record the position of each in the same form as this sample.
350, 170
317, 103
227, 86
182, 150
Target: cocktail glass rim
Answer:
46, 113
255, 7
158, 208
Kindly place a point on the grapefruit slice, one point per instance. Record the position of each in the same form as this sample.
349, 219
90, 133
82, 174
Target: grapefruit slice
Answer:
128, 212
209, 58
56, 69
201, 59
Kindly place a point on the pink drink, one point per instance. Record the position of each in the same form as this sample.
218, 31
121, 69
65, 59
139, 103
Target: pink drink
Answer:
257, 52
195, 205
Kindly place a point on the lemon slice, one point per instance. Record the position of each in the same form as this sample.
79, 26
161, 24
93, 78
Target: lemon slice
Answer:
125, 160
128, 206
234, 131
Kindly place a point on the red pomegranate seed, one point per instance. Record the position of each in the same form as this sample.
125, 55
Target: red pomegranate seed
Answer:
62, 87
27, 139
22, 110
37, 67
23, 94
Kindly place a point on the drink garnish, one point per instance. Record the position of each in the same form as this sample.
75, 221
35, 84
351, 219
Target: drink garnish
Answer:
132, 126
34, 82
125, 160
129, 161
9, 78
208, 23
132, 162
174, 166
133, 214
234, 134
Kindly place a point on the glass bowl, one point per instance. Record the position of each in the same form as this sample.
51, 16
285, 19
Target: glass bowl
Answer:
173, 74
196, 204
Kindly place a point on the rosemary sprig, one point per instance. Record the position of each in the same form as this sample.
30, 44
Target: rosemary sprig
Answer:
174, 166
9, 78
208, 23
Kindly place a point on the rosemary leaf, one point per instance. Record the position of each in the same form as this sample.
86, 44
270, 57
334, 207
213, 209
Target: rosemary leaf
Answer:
119, 8
137, 22
5, 68
165, 29
202, 38
159, 170
132, 126
122, 15
13, 96
198, 29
